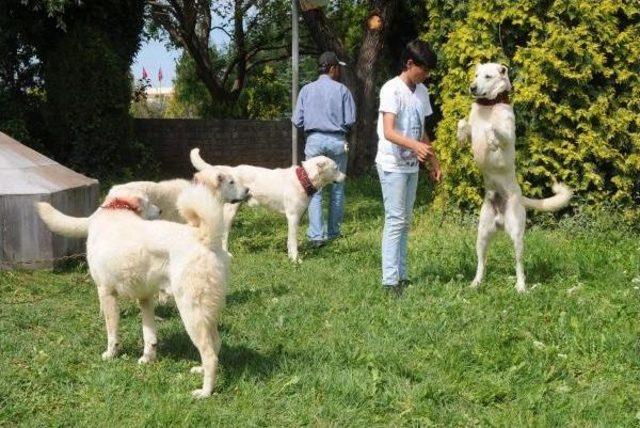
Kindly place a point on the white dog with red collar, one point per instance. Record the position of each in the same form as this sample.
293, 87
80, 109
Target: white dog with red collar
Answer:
278, 189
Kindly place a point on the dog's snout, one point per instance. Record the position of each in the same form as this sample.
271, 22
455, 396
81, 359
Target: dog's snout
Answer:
473, 88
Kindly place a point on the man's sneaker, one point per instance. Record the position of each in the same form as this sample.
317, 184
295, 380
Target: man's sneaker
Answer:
317, 244
394, 290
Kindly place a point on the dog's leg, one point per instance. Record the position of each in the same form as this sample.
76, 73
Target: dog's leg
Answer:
148, 332
293, 219
464, 131
228, 215
216, 347
486, 230
504, 131
515, 223
109, 306
203, 334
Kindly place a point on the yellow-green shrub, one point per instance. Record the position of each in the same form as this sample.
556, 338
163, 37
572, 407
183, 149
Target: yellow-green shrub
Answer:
575, 67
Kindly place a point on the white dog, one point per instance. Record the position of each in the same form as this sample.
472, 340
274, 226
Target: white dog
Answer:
130, 256
285, 190
163, 194
492, 130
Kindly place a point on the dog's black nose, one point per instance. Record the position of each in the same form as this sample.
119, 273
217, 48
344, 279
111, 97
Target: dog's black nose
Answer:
473, 88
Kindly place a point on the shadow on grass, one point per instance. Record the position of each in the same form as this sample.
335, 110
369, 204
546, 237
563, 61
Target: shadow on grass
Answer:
236, 360
240, 360
542, 270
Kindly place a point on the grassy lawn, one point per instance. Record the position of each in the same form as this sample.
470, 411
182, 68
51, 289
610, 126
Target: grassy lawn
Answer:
321, 344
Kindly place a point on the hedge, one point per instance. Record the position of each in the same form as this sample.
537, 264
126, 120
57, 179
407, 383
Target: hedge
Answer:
575, 67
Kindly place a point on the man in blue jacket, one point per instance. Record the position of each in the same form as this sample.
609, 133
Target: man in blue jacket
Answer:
326, 111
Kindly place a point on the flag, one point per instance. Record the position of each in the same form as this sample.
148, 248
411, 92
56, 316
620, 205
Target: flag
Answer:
145, 75
160, 74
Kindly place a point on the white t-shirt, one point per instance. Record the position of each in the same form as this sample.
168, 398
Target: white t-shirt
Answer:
410, 109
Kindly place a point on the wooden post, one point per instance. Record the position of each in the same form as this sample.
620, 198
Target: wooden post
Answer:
294, 77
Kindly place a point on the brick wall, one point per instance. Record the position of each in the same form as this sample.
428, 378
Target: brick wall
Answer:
221, 141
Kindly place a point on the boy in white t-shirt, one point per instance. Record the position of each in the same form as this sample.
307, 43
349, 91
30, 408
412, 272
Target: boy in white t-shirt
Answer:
402, 146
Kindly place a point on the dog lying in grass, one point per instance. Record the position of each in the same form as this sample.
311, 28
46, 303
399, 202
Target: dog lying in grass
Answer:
492, 130
285, 190
130, 256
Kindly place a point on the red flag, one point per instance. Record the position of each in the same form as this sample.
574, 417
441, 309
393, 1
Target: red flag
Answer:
145, 75
160, 74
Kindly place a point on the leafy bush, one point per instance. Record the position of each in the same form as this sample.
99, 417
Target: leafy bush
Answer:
575, 66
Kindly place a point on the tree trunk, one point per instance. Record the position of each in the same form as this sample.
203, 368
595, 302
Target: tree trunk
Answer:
359, 76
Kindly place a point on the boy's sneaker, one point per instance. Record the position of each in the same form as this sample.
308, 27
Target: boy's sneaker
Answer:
317, 244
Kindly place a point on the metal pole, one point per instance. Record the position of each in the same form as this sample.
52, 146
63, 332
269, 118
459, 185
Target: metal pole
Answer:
294, 77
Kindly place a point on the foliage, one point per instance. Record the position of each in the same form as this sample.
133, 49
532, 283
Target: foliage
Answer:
65, 83
88, 87
21, 95
256, 35
320, 343
268, 96
575, 66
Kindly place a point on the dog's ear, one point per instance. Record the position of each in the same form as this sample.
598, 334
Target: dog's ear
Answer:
201, 178
208, 178
220, 178
321, 164
503, 69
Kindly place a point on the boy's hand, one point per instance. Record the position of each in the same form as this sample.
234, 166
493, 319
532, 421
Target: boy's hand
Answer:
423, 151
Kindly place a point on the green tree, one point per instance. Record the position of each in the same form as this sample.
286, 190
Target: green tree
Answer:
256, 35
81, 53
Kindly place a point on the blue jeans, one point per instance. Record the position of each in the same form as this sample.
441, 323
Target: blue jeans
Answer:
399, 194
332, 146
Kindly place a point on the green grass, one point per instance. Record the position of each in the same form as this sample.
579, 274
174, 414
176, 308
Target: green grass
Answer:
321, 344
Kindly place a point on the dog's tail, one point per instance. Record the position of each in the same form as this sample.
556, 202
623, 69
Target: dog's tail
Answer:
560, 200
201, 209
197, 161
62, 224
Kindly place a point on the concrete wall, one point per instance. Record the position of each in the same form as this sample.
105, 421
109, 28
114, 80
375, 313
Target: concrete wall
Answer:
221, 141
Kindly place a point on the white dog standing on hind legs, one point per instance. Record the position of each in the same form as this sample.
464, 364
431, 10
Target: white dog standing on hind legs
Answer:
492, 130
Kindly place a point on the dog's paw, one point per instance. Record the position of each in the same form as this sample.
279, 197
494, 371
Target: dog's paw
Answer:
197, 370
521, 287
464, 131
200, 393
475, 283
296, 259
146, 358
109, 354
491, 139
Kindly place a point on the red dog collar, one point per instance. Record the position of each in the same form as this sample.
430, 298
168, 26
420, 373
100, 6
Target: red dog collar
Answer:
305, 181
119, 204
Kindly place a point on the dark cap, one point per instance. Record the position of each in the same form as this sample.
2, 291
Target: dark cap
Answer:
330, 58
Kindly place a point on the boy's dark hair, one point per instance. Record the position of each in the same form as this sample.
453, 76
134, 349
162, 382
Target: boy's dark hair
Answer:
420, 53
